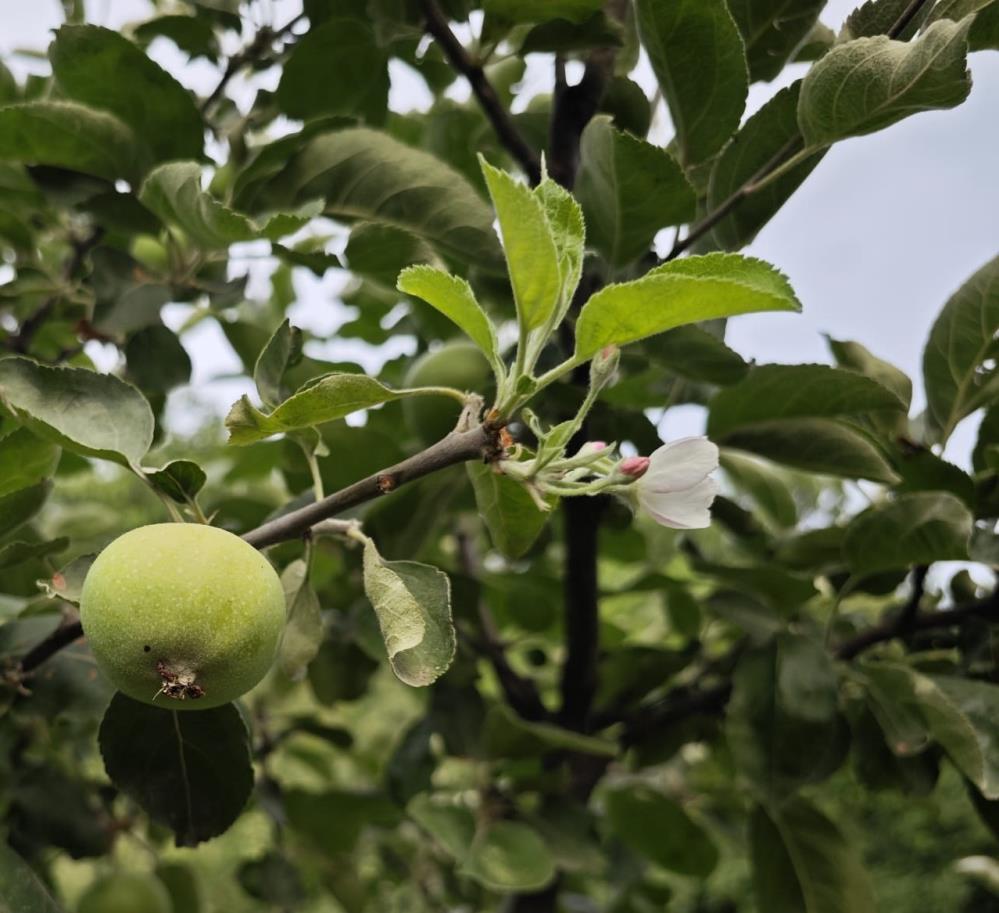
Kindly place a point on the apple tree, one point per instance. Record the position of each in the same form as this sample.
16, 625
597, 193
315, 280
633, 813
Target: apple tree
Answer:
533, 657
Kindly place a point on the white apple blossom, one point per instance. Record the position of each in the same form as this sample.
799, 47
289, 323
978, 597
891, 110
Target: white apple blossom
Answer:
674, 484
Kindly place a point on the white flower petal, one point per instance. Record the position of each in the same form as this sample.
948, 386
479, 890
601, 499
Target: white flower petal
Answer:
681, 464
688, 509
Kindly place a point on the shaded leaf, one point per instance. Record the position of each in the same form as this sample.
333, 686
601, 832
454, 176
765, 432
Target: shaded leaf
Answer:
700, 62
18, 507
773, 30
802, 863
629, 190
683, 291
21, 890
452, 826
413, 605
512, 517
70, 136
283, 351
658, 828
91, 414
188, 771
913, 529
509, 856
962, 338
157, 361
506, 735
303, 630
14, 553
696, 354
102, 69
25, 460
67, 582
180, 480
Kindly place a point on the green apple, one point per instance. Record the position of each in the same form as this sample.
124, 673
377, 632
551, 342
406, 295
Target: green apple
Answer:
151, 253
456, 364
182, 615
126, 892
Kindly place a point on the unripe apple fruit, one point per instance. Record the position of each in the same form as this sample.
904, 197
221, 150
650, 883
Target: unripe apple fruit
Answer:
182, 615
126, 892
456, 364
151, 253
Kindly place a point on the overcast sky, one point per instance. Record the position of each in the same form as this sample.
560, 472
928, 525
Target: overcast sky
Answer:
885, 229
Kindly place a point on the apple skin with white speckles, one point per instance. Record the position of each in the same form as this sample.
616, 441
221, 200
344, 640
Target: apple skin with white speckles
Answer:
182, 616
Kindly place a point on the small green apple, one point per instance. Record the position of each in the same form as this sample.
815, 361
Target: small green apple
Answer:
182, 615
151, 253
126, 892
456, 364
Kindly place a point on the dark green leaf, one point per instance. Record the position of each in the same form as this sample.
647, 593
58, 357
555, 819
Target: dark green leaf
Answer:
962, 339
773, 30
303, 631
769, 133
700, 62
509, 856
766, 485
529, 11
629, 190
696, 354
506, 735
856, 357
25, 460
283, 351
157, 362
18, 507
190, 771
70, 136
658, 828
101, 68
878, 17
341, 52
21, 890
511, 515
14, 553
802, 863
179, 479
913, 529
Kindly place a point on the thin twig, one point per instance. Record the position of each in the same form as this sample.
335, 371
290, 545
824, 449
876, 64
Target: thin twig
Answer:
61, 637
483, 90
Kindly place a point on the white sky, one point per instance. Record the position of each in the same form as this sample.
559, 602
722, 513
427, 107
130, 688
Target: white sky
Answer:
874, 242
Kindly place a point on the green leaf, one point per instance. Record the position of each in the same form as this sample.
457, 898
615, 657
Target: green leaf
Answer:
323, 400
70, 136
917, 528
102, 69
21, 890
512, 517
452, 826
772, 392
516, 11
565, 218
365, 175
18, 507
960, 342
984, 34
696, 354
821, 445
25, 460
91, 414
173, 191
856, 357
773, 30
531, 256
802, 863
769, 131
656, 827
870, 83
509, 856
334, 820
380, 252
413, 605
454, 298
629, 190
807, 683
506, 735
157, 360
700, 62
14, 553
683, 291
878, 17
341, 52
768, 487
956, 10
188, 771
303, 631
180, 480
283, 351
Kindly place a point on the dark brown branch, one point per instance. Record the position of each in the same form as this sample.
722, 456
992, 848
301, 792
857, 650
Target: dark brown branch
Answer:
908, 14
458, 447
506, 130
261, 41
61, 637
910, 610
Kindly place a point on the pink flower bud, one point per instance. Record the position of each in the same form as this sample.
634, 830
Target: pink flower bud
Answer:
635, 466
593, 447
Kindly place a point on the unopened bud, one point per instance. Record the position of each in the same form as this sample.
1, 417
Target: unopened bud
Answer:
592, 447
604, 366
633, 467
